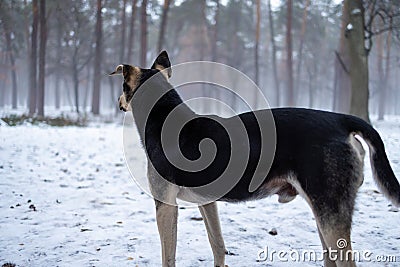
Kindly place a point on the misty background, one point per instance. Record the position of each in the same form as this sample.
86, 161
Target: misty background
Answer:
333, 55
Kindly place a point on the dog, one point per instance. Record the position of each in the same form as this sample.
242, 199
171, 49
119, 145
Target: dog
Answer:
317, 155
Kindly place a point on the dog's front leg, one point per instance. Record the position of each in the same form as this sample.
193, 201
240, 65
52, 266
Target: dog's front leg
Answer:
209, 213
167, 216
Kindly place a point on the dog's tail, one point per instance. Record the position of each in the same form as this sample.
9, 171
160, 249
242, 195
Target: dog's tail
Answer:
382, 171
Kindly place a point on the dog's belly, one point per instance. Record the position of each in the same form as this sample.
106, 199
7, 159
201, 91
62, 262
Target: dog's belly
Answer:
282, 186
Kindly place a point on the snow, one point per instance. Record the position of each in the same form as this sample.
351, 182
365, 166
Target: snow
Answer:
89, 211
356, 11
349, 27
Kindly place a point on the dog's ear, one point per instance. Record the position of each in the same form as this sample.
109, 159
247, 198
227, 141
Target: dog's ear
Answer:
162, 62
118, 70
123, 69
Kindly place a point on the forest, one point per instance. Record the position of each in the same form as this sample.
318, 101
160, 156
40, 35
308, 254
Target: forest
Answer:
76, 171
326, 54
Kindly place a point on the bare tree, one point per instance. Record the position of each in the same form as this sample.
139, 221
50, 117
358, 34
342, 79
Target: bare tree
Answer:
97, 61
289, 54
131, 44
59, 54
42, 57
274, 65
359, 75
301, 45
6, 19
342, 84
214, 49
143, 34
384, 75
123, 32
163, 25
33, 59
257, 41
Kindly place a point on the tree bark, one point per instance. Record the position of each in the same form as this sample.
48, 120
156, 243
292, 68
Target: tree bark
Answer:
42, 57
257, 40
214, 51
342, 84
75, 77
58, 68
10, 54
6, 19
131, 44
163, 25
143, 34
274, 65
33, 59
236, 60
215, 33
123, 33
97, 61
358, 60
289, 54
301, 45
384, 76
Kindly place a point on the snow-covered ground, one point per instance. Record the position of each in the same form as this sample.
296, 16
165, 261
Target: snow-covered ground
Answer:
67, 199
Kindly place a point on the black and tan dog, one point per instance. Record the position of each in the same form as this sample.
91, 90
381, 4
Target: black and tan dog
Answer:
316, 156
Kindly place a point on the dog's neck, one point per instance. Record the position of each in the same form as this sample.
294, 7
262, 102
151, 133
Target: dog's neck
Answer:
152, 103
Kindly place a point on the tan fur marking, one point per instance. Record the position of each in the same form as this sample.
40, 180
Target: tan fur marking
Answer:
133, 78
162, 70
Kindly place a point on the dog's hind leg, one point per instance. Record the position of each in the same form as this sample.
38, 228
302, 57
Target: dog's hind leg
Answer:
327, 261
209, 213
333, 215
337, 240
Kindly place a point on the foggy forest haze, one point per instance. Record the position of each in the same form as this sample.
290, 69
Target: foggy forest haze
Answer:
332, 55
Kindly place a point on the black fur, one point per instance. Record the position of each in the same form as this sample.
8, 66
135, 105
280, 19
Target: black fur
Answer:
316, 154
312, 145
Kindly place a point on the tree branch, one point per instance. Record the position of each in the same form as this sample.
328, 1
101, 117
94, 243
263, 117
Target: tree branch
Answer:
342, 63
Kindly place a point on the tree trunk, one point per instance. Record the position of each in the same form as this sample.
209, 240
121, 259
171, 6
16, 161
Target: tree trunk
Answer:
358, 60
300, 52
214, 51
33, 60
385, 76
236, 60
58, 68
342, 84
97, 61
274, 65
256, 48
75, 76
14, 96
381, 73
257, 41
6, 19
123, 30
131, 44
289, 54
203, 27
42, 57
163, 25
143, 34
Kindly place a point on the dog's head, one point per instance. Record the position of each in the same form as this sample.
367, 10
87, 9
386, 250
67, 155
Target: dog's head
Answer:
135, 76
